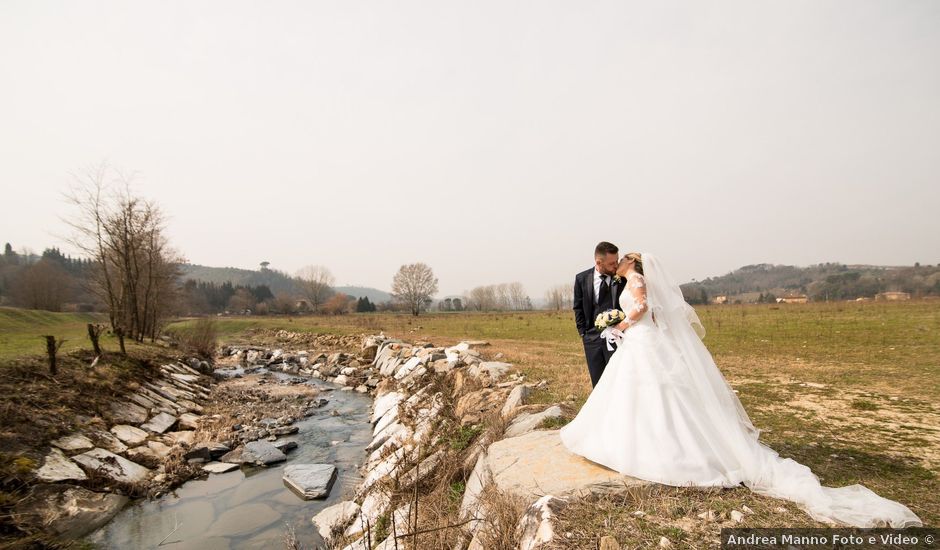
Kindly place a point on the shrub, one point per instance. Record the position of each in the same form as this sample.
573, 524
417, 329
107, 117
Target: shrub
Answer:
201, 338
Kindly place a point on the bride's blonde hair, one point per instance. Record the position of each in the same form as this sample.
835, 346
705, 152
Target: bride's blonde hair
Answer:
638, 258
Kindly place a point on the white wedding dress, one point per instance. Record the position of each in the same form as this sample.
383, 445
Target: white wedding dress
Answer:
663, 412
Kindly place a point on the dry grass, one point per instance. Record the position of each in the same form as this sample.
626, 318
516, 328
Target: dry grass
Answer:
639, 516
850, 390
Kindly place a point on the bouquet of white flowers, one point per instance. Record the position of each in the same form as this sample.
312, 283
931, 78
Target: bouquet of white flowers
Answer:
605, 323
609, 318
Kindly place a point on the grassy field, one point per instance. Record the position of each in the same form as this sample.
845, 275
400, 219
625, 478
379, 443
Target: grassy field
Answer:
849, 389
21, 331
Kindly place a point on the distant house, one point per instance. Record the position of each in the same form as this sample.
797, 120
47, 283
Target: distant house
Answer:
893, 296
721, 299
793, 299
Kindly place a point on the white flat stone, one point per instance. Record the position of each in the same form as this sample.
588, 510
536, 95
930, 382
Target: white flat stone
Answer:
189, 421
160, 423
538, 463
219, 467
76, 443
129, 434
57, 467
115, 467
525, 423
335, 518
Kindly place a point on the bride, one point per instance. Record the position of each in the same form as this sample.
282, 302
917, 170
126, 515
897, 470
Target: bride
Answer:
663, 412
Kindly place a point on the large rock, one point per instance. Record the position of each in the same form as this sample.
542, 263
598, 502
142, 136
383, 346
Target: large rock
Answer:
113, 466
384, 403
472, 407
525, 423
57, 467
125, 412
189, 421
66, 511
537, 464
517, 397
107, 441
209, 451
153, 450
185, 437
261, 453
310, 481
374, 505
129, 434
160, 423
334, 519
494, 369
74, 443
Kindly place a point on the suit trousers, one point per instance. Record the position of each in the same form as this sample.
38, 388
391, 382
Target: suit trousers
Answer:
597, 354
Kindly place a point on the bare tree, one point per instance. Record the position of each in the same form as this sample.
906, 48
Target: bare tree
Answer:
241, 301
414, 285
339, 304
136, 271
283, 303
42, 285
559, 297
499, 297
316, 285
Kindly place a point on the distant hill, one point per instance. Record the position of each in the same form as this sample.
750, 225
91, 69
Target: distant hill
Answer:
374, 295
277, 281
832, 281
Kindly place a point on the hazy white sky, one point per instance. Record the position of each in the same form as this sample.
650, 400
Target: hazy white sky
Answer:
493, 140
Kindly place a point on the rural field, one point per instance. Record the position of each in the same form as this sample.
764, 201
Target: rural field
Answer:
849, 389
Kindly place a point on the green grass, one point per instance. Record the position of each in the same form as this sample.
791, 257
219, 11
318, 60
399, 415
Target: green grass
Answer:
22, 331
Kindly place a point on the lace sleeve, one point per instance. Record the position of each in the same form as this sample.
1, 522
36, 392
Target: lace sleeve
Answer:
636, 284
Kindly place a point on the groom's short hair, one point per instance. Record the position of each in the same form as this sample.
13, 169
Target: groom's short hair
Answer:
604, 248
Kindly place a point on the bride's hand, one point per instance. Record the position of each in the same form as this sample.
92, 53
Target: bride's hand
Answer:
621, 326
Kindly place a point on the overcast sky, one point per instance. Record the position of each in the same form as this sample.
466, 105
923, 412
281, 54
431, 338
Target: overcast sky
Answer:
494, 140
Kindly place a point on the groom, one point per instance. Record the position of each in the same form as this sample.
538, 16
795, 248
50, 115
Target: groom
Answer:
595, 291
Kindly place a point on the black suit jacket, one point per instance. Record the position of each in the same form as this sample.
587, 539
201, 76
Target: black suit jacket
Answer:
585, 310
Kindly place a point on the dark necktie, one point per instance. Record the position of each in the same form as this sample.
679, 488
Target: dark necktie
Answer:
603, 296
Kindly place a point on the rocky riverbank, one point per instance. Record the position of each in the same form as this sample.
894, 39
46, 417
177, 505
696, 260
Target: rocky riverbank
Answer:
134, 448
456, 454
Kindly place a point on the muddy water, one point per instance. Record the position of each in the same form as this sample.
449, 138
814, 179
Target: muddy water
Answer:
251, 507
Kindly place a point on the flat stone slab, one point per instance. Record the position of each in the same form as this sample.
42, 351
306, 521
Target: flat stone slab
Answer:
261, 453
310, 481
74, 443
525, 423
334, 519
538, 463
67, 511
219, 467
125, 412
115, 467
129, 434
189, 421
160, 423
57, 467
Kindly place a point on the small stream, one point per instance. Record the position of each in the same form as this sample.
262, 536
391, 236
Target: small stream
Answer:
251, 507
